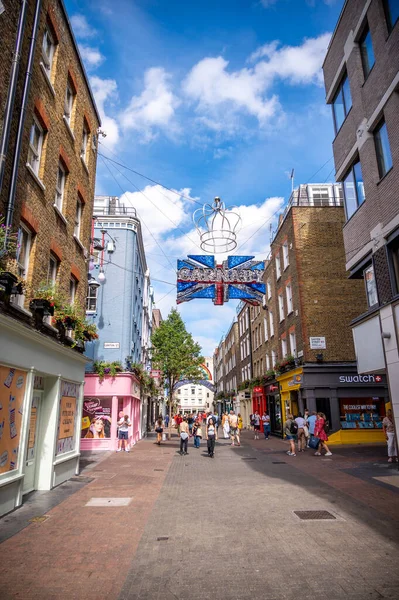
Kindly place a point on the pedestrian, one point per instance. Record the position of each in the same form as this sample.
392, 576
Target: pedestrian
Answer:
166, 420
216, 420
178, 420
256, 420
300, 421
197, 433
266, 424
321, 433
190, 422
211, 437
226, 426
389, 431
311, 424
184, 432
306, 427
234, 431
240, 423
290, 431
123, 432
159, 430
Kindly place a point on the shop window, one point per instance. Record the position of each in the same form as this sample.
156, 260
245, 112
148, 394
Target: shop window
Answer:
361, 413
383, 150
366, 51
67, 417
342, 103
353, 189
371, 286
96, 418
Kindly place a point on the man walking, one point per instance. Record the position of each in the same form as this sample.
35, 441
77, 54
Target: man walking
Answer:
234, 431
311, 424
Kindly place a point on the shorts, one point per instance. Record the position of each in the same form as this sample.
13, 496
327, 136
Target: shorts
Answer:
123, 435
290, 437
233, 430
257, 427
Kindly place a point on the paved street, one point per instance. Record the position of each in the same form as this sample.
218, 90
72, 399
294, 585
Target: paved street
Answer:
196, 527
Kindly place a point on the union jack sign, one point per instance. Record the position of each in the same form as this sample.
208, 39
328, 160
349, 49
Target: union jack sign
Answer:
238, 277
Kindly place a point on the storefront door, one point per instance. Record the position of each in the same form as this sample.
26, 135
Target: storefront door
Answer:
32, 448
323, 405
276, 421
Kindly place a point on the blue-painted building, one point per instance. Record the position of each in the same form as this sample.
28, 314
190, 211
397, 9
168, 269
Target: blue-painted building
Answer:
119, 266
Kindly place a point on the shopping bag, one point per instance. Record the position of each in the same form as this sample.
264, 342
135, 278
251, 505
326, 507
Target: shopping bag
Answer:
314, 443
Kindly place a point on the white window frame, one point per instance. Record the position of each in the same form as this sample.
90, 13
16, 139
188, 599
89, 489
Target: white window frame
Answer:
52, 270
293, 343
91, 299
35, 153
68, 103
281, 307
271, 323
284, 347
286, 256
60, 187
324, 193
288, 293
24, 242
269, 289
274, 358
73, 284
278, 267
48, 58
78, 218
267, 362
85, 143
266, 329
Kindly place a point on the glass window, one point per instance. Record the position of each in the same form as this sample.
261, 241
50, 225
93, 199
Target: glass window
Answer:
392, 12
68, 106
286, 259
52, 270
394, 260
91, 300
354, 189
278, 267
267, 362
274, 358
366, 51
342, 103
35, 146
72, 289
371, 286
59, 188
78, 218
48, 49
269, 289
271, 323
288, 291
24, 245
85, 141
283, 347
265, 328
281, 306
293, 343
382, 148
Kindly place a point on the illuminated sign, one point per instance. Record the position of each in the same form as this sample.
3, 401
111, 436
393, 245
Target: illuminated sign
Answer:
238, 277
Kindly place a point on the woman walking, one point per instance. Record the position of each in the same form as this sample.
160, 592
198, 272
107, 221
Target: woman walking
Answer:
290, 425
197, 433
226, 426
389, 430
211, 437
159, 430
184, 436
256, 420
319, 432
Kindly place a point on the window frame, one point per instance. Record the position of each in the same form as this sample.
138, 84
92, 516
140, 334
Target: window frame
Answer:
278, 266
85, 142
364, 50
68, 117
379, 149
32, 150
351, 171
293, 348
271, 323
288, 295
60, 191
388, 16
340, 91
91, 299
73, 287
52, 273
78, 218
281, 311
284, 347
368, 295
286, 256
48, 60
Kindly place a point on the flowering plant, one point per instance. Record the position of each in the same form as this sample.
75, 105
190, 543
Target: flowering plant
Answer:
9, 245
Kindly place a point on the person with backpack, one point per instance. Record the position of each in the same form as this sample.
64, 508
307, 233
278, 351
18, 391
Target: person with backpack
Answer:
290, 431
256, 418
320, 431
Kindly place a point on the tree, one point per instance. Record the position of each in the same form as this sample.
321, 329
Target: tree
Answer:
176, 354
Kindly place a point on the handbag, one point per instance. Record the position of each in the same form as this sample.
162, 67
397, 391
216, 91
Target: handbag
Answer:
158, 430
314, 443
184, 435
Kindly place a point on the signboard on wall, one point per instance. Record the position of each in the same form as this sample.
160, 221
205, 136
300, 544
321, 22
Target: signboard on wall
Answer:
12, 390
111, 345
96, 418
238, 277
67, 417
317, 343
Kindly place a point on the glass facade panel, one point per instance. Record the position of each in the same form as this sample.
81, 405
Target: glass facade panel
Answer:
371, 286
357, 171
383, 150
350, 194
338, 110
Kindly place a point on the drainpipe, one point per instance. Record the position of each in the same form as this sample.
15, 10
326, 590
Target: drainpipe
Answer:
21, 121
16, 59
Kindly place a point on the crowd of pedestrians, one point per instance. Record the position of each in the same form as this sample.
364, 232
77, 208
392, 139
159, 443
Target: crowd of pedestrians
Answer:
309, 431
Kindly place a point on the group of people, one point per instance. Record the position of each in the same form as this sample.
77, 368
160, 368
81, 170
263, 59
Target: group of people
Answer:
309, 431
232, 425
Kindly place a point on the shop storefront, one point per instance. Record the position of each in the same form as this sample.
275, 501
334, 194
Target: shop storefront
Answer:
353, 404
273, 402
244, 407
102, 403
259, 401
40, 412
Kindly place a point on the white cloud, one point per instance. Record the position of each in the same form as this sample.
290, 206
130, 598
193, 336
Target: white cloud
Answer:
154, 109
105, 90
81, 28
92, 57
267, 3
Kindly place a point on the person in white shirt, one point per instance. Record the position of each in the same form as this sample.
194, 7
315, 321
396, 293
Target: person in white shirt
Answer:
266, 425
256, 418
123, 433
300, 421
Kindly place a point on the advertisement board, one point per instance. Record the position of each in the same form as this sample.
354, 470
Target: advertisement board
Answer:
12, 390
96, 418
67, 417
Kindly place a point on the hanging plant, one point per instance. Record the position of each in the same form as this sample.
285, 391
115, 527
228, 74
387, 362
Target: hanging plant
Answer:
107, 369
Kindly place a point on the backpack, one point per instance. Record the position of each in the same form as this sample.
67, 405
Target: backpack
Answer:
293, 427
326, 426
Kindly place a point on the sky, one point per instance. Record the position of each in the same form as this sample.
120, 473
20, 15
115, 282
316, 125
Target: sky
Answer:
207, 99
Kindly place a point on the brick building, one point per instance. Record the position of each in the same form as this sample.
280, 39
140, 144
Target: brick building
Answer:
231, 362
361, 73
303, 334
219, 376
243, 403
48, 129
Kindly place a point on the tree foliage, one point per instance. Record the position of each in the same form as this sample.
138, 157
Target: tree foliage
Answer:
175, 353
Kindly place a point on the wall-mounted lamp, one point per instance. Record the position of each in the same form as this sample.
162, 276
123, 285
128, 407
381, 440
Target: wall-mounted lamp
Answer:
92, 282
319, 357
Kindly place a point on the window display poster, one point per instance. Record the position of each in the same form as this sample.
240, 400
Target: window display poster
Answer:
362, 413
32, 427
12, 390
67, 417
96, 418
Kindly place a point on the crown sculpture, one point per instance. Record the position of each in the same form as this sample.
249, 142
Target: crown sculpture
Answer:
217, 227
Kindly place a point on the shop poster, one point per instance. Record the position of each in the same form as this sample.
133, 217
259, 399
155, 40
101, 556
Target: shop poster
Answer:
96, 418
67, 417
12, 391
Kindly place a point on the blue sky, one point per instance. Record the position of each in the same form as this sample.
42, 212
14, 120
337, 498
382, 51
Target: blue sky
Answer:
210, 99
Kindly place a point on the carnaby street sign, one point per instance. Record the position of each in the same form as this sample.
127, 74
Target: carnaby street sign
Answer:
238, 277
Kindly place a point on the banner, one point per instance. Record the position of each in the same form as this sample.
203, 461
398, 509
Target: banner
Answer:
12, 390
96, 418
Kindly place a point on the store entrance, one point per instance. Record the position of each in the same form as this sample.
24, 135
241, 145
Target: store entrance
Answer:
323, 405
32, 448
276, 421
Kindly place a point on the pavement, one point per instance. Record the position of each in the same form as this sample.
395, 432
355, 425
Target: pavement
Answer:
152, 525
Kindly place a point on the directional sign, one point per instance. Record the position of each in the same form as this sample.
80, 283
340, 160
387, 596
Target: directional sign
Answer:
238, 277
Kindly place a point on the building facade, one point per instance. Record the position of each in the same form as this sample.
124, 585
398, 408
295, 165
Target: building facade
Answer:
194, 398
361, 74
48, 129
243, 403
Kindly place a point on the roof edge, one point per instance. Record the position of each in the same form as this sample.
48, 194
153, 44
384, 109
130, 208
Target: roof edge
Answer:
335, 31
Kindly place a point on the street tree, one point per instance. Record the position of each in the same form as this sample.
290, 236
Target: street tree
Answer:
176, 354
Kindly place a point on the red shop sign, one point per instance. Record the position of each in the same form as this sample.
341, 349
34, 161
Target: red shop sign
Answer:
258, 390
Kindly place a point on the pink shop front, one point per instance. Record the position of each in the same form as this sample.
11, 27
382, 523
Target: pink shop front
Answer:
102, 403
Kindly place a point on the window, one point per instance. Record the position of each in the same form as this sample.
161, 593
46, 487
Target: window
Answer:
73, 284
366, 51
391, 12
265, 328
319, 196
24, 245
192, 391
278, 267
283, 347
342, 103
353, 189
286, 259
274, 358
394, 260
179, 391
382, 148
69, 100
281, 307
35, 146
59, 187
271, 323
269, 289
91, 300
293, 343
78, 218
371, 286
85, 141
288, 292
48, 49
267, 362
